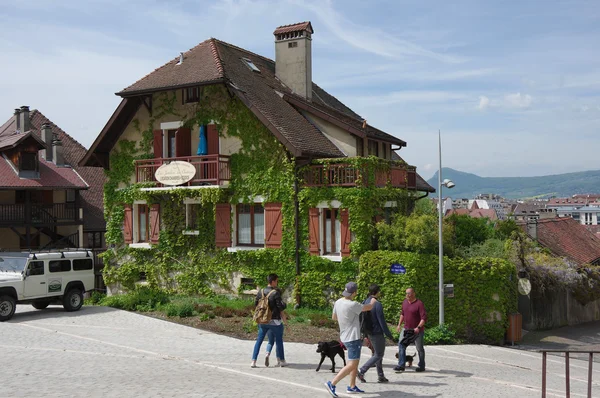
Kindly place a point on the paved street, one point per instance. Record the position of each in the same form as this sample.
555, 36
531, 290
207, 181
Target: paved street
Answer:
100, 351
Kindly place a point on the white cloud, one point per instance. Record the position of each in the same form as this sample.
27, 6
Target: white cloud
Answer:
518, 100
484, 102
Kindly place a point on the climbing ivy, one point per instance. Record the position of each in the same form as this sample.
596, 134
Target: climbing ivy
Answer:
261, 166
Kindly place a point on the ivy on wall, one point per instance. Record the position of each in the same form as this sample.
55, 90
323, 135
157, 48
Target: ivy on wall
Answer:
262, 167
485, 290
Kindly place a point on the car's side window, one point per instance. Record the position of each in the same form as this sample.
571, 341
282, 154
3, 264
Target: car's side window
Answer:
83, 264
59, 265
36, 268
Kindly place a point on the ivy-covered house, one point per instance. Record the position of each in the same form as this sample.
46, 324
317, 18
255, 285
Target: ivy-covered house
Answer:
263, 158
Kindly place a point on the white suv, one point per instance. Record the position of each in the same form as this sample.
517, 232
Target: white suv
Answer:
41, 279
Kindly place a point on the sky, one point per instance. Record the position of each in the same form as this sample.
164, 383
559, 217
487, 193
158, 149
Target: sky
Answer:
513, 86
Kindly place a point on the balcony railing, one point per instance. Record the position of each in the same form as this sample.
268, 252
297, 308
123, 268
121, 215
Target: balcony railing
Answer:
38, 213
210, 169
347, 175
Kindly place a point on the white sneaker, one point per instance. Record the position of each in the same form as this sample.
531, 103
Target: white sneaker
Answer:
253, 364
282, 364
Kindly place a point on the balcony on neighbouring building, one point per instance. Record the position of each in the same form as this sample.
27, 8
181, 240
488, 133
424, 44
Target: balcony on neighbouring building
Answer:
348, 175
39, 214
210, 169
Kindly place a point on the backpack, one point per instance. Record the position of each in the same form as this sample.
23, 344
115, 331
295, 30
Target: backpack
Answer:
366, 323
262, 312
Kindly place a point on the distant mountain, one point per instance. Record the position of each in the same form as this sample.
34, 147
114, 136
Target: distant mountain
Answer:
561, 185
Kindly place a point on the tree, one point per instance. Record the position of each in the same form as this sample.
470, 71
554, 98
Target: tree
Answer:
469, 231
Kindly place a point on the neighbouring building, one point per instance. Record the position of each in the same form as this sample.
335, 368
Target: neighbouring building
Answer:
528, 211
229, 150
47, 201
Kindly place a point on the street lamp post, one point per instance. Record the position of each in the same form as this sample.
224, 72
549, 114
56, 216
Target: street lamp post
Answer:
448, 184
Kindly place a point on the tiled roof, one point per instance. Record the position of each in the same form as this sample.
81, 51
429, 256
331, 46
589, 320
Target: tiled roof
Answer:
200, 65
92, 200
61, 177
214, 61
475, 213
294, 28
566, 237
51, 176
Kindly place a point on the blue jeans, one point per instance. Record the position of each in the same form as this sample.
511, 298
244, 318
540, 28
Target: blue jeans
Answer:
277, 331
354, 348
420, 350
270, 341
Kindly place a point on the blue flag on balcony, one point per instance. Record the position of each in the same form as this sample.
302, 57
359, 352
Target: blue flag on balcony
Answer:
202, 145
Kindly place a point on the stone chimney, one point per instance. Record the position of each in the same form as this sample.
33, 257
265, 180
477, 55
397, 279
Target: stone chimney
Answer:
24, 119
17, 119
293, 57
47, 138
57, 151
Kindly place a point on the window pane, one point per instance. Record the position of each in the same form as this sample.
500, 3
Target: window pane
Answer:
244, 229
36, 268
143, 223
328, 231
59, 265
82, 264
259, 226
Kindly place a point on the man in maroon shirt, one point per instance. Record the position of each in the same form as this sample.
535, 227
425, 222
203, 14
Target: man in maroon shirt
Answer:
413, 316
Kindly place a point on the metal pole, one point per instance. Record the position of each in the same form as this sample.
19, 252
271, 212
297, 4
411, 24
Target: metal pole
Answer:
441, 244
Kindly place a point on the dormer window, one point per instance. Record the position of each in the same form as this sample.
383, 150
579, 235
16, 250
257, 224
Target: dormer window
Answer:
28, 165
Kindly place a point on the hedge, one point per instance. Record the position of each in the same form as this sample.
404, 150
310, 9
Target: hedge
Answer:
485, 290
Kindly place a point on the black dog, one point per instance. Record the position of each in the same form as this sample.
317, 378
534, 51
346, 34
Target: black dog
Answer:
330, 349
409, 359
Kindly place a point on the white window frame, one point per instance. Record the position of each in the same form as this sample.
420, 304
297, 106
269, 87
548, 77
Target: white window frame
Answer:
188, 202
136, 232
234, 243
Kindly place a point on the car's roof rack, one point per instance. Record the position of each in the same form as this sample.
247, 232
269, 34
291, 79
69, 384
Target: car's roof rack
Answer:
44, 251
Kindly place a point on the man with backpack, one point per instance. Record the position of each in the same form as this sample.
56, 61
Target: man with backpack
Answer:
267, 314
375, 329
346, 311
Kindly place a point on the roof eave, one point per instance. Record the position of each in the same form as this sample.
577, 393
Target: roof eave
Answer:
127, 94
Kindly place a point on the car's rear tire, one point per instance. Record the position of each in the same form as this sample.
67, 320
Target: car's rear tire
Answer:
8, 306
40, 305
73, 300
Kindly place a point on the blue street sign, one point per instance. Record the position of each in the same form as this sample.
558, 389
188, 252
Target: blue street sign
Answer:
397, 269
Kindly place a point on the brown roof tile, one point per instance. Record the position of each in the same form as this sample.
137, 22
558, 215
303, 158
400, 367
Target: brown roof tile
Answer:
566, 237
51, 176
200, 64
300, 26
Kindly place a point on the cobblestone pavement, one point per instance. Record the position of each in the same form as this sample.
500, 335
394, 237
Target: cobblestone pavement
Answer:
103, 352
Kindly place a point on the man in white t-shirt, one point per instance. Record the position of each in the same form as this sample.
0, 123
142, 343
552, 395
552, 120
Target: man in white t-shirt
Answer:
346, 312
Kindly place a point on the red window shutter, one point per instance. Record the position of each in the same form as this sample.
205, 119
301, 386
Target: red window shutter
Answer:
345, 231
273, 227
183, 142
128, 224
158, 143
154, 223
223, 225
313, 232
212, 139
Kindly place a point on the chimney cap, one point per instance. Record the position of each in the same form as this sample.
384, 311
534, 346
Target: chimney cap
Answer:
296, 27
46, 126
24, 108
17, 111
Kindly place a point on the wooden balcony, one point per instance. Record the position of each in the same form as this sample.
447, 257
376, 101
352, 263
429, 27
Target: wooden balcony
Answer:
347, 175
39, 214
210, 169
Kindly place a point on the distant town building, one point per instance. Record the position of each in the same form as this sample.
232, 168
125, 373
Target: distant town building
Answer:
531, 211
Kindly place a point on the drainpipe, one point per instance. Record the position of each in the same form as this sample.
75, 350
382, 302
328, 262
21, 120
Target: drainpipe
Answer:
297, 231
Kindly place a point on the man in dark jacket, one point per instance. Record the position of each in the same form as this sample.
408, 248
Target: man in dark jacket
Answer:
377, 337
276, 305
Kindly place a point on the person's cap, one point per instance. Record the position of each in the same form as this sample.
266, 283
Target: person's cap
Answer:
351, 287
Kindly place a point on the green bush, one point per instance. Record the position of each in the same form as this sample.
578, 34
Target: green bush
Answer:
440, 334
140, 299
95, 298
181, 309
484, 290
